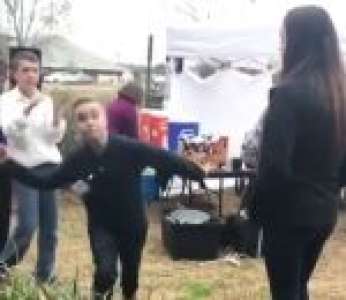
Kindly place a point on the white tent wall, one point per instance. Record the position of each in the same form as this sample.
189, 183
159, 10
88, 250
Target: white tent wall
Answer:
203, 41
229, 104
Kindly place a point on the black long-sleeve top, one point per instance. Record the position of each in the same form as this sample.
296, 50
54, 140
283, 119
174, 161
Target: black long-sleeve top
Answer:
113, 177
298, 175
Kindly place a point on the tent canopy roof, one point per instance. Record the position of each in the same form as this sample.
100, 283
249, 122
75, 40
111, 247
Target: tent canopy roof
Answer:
221, 43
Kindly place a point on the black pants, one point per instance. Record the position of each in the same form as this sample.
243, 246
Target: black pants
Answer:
291, 255
107, 246
5, 206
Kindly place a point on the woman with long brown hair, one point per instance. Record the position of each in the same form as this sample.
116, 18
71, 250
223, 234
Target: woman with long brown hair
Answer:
302, 150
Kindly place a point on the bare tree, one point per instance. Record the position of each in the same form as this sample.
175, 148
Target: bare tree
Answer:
30, 18
187, 9
191, 9
196, 10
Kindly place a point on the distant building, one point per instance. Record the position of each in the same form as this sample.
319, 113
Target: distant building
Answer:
61, 55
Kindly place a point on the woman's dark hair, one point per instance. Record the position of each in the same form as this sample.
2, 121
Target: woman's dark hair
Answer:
311, 50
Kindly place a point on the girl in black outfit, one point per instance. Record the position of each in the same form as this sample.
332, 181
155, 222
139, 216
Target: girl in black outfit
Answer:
302, 150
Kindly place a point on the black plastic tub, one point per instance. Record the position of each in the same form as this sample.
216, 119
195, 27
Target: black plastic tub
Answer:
192, 241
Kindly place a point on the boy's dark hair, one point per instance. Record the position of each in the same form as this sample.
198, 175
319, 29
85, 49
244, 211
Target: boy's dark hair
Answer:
132, 92
83, 100
17, 54
26, 55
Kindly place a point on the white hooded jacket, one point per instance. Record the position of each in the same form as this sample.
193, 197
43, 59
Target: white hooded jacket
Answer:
31, 140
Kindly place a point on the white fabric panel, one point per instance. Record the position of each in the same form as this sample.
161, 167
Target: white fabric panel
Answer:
222, 43
229, 103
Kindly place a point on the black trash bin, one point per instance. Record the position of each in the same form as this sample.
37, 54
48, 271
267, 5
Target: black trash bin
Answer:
192, 241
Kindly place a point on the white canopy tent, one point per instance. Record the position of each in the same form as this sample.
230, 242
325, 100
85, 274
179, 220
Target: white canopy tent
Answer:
211, 41
228, 102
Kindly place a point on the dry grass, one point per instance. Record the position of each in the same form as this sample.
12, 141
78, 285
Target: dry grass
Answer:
164, 279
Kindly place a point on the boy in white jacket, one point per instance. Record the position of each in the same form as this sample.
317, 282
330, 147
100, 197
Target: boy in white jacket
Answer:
32, 132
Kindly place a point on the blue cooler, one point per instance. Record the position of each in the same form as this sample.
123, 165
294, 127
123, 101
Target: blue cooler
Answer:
178, 130
149, 186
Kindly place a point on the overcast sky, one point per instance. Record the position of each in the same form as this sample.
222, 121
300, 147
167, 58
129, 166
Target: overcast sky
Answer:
119, 29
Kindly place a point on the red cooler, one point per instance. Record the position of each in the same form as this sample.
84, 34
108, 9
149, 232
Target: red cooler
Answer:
144, 127
159, 131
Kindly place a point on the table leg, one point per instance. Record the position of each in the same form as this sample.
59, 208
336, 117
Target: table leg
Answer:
190, 191
221, 190
259, 243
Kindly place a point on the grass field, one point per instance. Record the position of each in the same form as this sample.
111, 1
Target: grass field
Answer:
164, 279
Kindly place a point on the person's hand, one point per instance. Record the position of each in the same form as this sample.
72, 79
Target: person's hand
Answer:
29, 108
201, 175
80, 187
196, 173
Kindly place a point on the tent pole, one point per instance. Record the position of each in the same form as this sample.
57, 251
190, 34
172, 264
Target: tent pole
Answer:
149, 71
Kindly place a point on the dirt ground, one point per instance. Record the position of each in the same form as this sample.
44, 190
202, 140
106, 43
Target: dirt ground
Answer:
165, 279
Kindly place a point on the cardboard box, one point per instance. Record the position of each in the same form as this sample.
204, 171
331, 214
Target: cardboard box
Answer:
209, 153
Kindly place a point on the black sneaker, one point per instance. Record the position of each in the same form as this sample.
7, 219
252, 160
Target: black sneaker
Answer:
44, 280
4, 272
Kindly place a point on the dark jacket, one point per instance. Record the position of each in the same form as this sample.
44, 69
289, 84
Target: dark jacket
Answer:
114, 195
298, 175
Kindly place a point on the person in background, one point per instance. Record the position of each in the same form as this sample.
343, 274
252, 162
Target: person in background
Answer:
122, 112
32, 130
250, 147
107, 169
302, 150
5, 185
